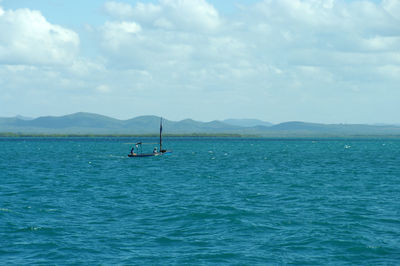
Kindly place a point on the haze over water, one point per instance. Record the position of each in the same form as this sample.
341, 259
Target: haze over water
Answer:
230, 201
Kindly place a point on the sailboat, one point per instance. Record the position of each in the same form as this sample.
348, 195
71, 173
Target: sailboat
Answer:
139, 152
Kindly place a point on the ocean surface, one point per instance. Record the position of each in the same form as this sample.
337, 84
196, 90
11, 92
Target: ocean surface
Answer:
82, 201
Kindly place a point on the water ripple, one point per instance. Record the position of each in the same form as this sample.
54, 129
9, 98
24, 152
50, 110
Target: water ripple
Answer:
212, 201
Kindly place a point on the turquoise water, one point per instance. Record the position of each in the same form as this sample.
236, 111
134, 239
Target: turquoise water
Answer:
212, 201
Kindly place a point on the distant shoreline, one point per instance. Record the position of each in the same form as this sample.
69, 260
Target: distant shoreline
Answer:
200, 135
94, 125
58, 135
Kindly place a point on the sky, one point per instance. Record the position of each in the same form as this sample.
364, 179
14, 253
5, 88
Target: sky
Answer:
326, 61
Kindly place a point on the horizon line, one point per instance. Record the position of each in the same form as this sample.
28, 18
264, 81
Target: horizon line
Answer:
24, 117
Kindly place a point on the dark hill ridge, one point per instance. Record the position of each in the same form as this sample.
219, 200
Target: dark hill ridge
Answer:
299, 126
73, 120
246, 122
335, 129
89, 123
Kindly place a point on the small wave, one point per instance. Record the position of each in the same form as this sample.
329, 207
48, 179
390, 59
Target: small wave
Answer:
30, 229
167, 240
49, 210
119, 157
49, 231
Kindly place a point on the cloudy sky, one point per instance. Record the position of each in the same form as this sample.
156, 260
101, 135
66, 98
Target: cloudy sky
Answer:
329, 61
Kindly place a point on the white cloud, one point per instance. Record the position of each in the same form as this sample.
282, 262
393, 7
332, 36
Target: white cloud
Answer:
118, 9
390, 71
284, 50
187, 15
147, 12
392, 7
191, 14
103, 88
116, 34
28, 38
381, 43
281, 57
84, 68
274, 33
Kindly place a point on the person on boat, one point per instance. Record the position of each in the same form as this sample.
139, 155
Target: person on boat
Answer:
155, 150
133, 151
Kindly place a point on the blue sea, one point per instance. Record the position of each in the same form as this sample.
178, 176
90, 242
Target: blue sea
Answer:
228, 201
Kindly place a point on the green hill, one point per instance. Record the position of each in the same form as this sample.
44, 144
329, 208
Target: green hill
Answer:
89, 123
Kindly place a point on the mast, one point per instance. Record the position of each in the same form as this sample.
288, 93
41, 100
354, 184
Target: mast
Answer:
160, 134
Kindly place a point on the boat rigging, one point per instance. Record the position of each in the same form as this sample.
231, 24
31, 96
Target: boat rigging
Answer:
139, 148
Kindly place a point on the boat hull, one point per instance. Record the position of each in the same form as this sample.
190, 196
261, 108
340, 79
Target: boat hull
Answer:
144, 155
149, 154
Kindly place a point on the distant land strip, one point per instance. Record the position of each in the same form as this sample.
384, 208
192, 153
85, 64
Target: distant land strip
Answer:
199, 135
44, 135
95, 125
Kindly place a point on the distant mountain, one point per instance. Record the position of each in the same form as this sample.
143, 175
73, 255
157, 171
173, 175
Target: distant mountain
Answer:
299, 126
302, 128
18, 117
247, 122
88, 123
85, 120
24, 117
384, 124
